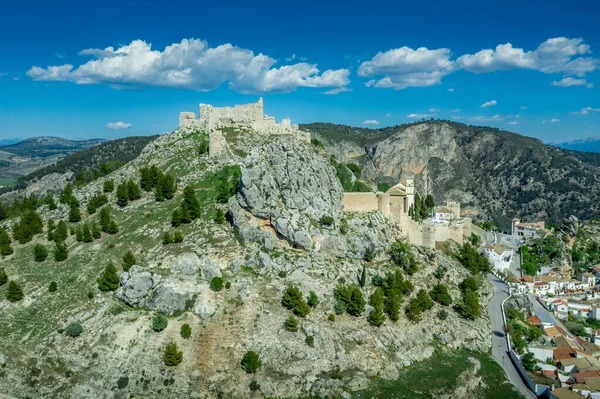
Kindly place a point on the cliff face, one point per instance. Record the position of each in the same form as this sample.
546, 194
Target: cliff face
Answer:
495, 174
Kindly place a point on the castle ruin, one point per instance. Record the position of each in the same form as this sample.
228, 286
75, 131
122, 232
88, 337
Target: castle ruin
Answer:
243, 116
396, 203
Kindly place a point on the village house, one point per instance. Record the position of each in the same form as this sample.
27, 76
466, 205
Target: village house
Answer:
499, 256
527, 230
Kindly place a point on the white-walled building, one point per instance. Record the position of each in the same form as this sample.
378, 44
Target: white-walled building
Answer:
526, 230
499, 256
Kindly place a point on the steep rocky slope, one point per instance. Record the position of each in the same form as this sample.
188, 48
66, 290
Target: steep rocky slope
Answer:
277, 234
496, 175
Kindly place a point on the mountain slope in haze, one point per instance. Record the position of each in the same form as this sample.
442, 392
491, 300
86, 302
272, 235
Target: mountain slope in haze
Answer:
591, 144
122, 150
495, 174
29, 155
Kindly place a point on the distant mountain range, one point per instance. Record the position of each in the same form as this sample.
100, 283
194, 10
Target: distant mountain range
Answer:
21, 157
591, 144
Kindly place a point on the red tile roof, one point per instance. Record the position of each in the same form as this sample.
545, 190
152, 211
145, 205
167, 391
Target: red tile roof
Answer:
534, 320
579, 377
563, 353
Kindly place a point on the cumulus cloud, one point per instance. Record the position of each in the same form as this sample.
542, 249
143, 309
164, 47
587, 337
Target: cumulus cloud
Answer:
455, 111
419, 116
456, 117
337, 90
522, 108
117, 125
488, 104
191, 64
559, 54
405, 67
371, 122
434, 110
570, 81
486, 118
3, 74
585, 111
553, 120
388, 115
451, 89
513, 123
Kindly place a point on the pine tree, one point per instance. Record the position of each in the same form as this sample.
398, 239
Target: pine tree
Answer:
108, 280
40, 253
133, 191
14, 292
122, 195
219, 216
363, 277
87, 233
28, 226
177, 237
52, 287
74, 214
392, 306
60, 251
128, 261
96, 231
61, 233
167, 238
291, 324
105, 218
51, 228
3, 276
113, 227
376, 317
173, 356
190, 204
66, 194
429, 202
186, 331
176, 218
356, 306
165, 188
79, 234
469, 309
5, 247
49, 200
109, 186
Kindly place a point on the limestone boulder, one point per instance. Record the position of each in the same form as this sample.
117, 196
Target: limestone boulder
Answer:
170, 296
135, 285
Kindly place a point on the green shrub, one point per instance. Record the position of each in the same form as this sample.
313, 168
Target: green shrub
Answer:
219, 216
52, 287
186, 331
316, 143
109, 186
172, 356
403, 257
250, 362
74, 329
216, 284
292, 299
313, 299
40, 253
128, 260
90, 295
369, 254
228, 284
28, 226
310, 341
352, 298
326, 220
331, 317
291, 324
177, 237
167, 238
5, 247
442, 314
440, 294
355, 169
254, 385
159, 322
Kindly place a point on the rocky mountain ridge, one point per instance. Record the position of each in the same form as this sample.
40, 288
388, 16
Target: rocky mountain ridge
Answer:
283, 227
495, 174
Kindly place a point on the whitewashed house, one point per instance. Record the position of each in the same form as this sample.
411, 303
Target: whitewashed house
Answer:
526, 230
499, 256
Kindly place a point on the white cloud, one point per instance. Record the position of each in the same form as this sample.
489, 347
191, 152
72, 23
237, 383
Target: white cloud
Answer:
455, 111
388, 115
117, 125
16, 78
192, 65
292, 58
434, 110
371, 122
585, 111
456, 117
405, 67
553, 120
570, 81
59, 55
488, 104
451, 89
559, 54
589, 85
3, 74
486, 118
337, 90
419, 116
513, 123
523, 108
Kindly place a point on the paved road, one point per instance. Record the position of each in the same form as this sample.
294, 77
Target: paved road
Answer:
541, 311
499, 345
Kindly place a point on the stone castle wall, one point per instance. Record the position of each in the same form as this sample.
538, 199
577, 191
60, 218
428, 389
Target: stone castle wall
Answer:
360, 202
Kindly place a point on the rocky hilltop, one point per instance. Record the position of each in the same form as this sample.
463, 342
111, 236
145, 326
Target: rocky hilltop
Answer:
495, 174
252, 226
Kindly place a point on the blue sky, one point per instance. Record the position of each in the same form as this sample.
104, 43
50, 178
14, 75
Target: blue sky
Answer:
77, 70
